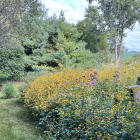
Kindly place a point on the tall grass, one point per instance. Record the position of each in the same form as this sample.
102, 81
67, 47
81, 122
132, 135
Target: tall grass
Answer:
8, 90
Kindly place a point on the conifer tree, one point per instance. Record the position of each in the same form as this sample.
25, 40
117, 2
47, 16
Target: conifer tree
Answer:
62, 16
11, 62
36, 38
67, 42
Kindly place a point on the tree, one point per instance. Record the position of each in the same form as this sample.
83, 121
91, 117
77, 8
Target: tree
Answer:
62, 16
11, 12
52, 42
119, 15
8, 18
11, 62
25, 22
68, 43
37, 40
92, 32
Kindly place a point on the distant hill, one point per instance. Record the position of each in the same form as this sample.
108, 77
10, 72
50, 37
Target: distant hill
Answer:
134, 51
125, 56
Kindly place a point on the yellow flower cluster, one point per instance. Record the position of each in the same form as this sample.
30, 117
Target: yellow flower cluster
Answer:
79, 89
51, 86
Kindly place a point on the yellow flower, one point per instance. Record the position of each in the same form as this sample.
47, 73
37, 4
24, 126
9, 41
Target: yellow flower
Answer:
62, 113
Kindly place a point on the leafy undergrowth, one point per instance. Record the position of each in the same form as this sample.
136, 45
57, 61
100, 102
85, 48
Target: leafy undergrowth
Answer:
14, 124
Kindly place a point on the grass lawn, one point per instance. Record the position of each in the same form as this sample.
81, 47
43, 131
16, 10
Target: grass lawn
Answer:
14, 124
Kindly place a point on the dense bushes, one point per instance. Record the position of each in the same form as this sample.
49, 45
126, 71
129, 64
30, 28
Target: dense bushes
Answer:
50, 42
84, 104
11, 62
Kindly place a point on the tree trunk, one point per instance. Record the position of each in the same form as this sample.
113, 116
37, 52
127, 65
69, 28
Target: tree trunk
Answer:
119, 53
116, 52
13, 78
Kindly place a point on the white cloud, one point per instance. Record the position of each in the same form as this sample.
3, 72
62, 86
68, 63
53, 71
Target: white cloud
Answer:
74, 10
55, 7
132, 41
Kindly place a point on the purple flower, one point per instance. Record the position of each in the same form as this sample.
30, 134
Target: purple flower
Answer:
60, 94
117, 71
103, 91
90, 84
76, 80
93, 82
95, 72
65, 93
89, 80
112, 96
85, 83
91, 75
83, 76
116, 75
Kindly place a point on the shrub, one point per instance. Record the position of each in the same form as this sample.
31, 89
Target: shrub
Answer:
82, 104
8, 90
11, 62
2, 79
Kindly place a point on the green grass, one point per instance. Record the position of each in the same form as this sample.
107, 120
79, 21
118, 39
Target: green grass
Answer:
125, 56
14, 124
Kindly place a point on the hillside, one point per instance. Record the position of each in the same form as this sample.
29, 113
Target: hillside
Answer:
125, 56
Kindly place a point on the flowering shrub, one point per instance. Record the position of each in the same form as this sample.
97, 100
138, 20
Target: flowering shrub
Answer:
84, 104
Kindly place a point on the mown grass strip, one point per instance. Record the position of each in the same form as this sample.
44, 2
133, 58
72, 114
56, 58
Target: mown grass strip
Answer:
14, 124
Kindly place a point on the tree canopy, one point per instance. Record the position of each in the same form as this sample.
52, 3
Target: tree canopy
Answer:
11, 12
92, 32
118, 16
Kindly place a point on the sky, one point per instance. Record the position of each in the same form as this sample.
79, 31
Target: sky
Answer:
74, 11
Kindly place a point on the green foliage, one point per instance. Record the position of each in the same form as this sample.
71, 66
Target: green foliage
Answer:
98, 117
3, 79
11, 63
43, 68
57, 58
67, 37
92, 30
36, 38
10, 24
101, 58
62, 16
51, 42
71, 52
8, 90
136, 57
83, 58
113, 14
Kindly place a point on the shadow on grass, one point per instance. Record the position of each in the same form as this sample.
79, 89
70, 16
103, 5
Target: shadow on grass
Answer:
15, 123
24, 114
13, 117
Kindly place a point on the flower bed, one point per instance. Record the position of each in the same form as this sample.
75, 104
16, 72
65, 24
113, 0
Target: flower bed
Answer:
84, 104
